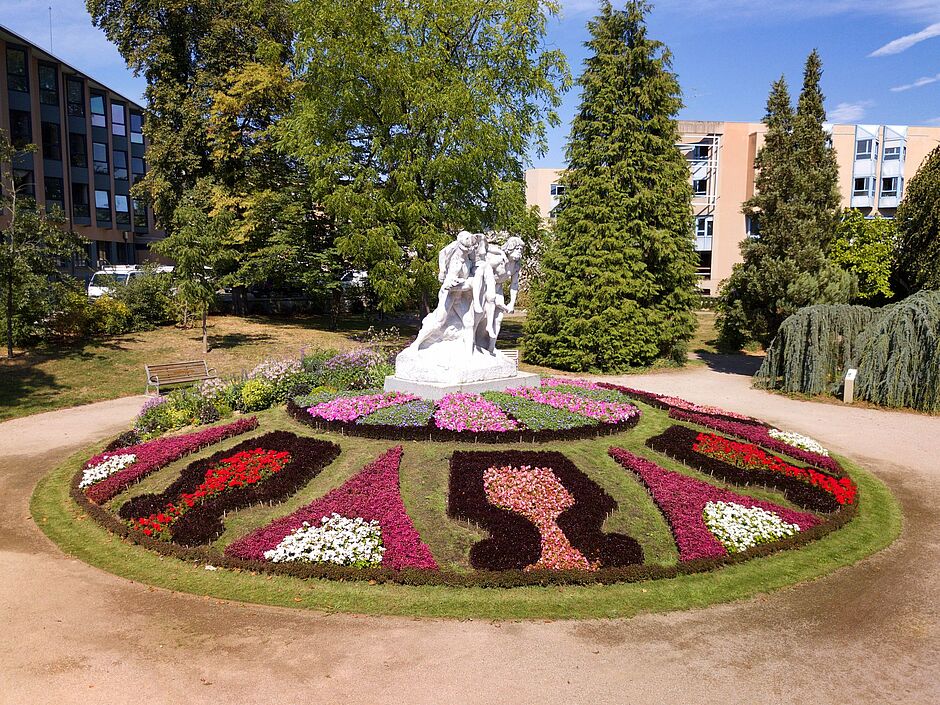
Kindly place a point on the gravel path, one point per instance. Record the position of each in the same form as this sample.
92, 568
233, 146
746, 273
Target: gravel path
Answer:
866, 634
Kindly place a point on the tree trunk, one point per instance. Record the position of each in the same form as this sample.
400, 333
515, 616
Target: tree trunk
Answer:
205, 334
239, 301
10, 314
425, 306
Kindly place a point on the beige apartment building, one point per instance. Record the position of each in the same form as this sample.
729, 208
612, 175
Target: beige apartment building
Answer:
875, 162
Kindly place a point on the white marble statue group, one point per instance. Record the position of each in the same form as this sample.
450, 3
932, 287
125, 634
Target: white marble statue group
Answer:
457, 341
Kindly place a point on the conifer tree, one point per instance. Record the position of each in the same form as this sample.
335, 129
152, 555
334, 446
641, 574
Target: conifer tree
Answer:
617, 284
787, 266
918, 220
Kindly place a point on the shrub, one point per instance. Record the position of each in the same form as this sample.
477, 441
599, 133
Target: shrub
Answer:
148, 298
257, 394
110, 316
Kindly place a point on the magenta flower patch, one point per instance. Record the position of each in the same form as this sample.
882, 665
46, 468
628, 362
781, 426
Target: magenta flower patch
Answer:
682, 500
604, 411
352, 408
471, 412
372, 494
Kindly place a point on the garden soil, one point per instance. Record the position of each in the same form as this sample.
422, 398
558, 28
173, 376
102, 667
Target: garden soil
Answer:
869, 633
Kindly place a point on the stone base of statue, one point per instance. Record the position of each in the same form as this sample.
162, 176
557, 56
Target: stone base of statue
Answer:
438, 390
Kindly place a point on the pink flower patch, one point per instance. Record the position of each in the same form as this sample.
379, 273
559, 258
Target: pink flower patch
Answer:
471, 412
605, 411
352, 408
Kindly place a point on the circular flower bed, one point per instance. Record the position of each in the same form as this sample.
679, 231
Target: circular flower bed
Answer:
560, 409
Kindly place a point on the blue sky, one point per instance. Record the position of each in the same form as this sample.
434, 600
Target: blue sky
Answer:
881, 57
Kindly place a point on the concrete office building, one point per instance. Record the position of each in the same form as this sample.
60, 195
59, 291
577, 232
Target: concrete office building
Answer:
91, 150
875, 163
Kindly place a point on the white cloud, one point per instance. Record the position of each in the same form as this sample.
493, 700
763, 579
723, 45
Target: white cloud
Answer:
848, 113
919, 83
932, 121
907, 41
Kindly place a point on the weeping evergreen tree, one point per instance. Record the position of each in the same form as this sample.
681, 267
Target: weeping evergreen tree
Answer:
918, 220
617, 285
899, 360
796, 205
814, 347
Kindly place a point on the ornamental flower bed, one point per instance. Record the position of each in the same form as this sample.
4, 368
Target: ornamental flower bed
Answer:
280, 463
669, 403
338, 540
797, 440
683, 501
352, 408
538, 417
760, 435
471, 412
806, 487
740, 528
540, 511
153, 455
605, 411
372, 494
412, 414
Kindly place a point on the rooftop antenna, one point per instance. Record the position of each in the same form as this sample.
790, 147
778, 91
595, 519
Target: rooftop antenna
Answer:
50, 28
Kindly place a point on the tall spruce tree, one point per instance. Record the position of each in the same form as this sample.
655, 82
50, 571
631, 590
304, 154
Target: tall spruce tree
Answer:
787, 266
918, 219
617, 285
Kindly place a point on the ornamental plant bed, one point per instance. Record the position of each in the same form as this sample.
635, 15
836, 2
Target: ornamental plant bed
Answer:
153, 455
668, 403
540, 511
280, 463
372, 494
805, 487
759, 435
683, 499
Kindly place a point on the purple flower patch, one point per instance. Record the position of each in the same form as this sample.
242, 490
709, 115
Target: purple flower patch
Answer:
682, 500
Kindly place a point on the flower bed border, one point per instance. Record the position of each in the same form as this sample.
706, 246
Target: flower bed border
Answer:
440, 435
656, 400
676, 442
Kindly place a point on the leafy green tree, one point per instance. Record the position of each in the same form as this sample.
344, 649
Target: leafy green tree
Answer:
787, 266
412, 117
198, 249
918, 222
33, 242
617, 281
865, 247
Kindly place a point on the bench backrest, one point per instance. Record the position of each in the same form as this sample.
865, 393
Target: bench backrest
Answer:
177, 371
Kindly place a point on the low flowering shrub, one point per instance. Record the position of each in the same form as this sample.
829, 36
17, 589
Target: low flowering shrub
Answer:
500, 491
412, 414
372, 494
351, 408
153, 455
791, 438
268, 468
535, 416
257, 394
106, 468
740, 528
759, 435
683, 501
608, 412
471, 412
338, 540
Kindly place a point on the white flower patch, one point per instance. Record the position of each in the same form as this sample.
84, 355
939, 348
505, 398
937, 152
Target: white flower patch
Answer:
105, 468
338, 540
798, 441
739, 528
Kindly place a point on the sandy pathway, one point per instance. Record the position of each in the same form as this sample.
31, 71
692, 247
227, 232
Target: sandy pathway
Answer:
867, 634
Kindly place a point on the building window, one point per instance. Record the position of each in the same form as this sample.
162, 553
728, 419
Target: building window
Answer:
17, 74
98, 118
892, 154
120, 165
55, 193
75, 97
99, 153
704, 264
704, 227
140, 214
862, 186
137, 128
117, 119
78, 150
138, 168
103, 206
48, 84
122, 213
700, 187
866, 149
557, 190
80, 200
21, 128
889, 187
700, 152
23, 182
752, 226
51, 141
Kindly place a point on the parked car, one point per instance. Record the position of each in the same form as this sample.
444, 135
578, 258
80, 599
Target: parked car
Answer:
105, 279
354, 278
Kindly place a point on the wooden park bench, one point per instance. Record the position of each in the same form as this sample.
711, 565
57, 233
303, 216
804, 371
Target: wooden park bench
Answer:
177, 373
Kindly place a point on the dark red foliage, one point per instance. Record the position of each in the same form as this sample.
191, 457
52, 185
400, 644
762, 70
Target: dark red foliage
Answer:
514, 541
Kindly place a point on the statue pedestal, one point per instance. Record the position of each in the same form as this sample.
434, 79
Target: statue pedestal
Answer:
437, 390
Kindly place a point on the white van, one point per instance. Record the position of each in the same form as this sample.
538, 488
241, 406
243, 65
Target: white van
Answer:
105, 279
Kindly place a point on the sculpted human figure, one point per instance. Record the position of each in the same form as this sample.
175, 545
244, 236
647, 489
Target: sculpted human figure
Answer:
505, 263
455, 268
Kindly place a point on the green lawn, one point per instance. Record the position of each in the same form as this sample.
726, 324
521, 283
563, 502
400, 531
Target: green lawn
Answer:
424, 476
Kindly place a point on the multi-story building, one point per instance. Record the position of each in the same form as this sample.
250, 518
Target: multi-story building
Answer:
91, 150
875, 162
